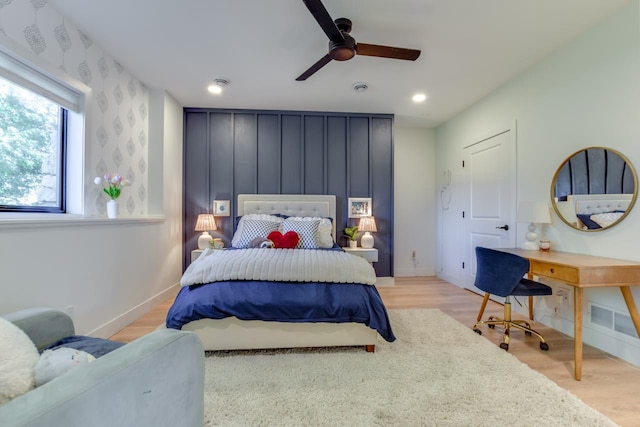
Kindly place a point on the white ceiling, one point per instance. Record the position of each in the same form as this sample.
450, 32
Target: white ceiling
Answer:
469, 47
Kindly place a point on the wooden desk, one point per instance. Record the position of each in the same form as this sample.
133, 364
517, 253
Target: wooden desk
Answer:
584, 271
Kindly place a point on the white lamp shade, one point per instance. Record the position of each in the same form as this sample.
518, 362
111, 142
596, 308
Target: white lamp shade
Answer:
367, 223
533, 212
206, 222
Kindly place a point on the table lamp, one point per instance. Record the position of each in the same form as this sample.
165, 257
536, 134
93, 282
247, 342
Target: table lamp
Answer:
533, 213
205, 223
367, 225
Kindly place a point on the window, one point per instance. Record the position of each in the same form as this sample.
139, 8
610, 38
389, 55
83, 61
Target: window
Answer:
36, 106
32, 151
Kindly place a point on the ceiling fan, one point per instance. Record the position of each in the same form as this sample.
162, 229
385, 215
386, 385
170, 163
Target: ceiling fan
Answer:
342, 46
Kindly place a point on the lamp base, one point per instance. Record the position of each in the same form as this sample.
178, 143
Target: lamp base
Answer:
531, 236
366, 241
203, 240
530, 246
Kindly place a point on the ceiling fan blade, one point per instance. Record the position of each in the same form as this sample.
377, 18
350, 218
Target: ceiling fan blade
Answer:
387, 51
315, 67
321, 15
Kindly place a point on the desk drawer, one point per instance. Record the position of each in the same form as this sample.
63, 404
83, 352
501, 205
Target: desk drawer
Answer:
559, 272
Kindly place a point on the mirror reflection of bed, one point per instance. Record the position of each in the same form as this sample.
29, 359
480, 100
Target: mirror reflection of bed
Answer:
594, 211
594, 189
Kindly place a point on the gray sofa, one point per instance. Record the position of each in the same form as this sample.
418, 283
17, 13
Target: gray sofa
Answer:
157, 380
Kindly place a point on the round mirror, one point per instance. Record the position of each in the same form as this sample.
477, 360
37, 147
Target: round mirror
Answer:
594, 189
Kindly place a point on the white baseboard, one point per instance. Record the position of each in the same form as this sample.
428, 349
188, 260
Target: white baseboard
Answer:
451, 279
385, 281
111, 327
413, 272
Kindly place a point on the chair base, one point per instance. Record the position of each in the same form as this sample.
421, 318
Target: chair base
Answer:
507, 323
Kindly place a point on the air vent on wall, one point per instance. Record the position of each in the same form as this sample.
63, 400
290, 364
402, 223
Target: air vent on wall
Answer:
614, 320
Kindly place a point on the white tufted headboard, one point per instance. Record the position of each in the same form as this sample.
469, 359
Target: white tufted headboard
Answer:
289, 204
600, 203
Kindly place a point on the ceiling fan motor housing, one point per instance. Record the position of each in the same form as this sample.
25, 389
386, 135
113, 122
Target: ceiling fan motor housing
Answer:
342, 50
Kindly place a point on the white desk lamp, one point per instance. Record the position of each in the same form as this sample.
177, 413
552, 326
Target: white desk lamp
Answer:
533, 213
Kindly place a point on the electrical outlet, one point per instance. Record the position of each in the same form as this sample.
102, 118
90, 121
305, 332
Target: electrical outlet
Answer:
70, 311
563, 295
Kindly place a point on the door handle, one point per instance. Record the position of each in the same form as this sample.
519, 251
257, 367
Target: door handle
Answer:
504, 227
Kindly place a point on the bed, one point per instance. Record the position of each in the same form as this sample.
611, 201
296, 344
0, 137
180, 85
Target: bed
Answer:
259, 306
597, 211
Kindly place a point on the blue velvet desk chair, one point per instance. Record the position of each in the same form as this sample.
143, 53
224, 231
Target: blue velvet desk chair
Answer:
501, 273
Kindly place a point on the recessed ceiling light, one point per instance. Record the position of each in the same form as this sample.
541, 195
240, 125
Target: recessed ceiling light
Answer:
360, 87
419, 97
218, 84
215, 89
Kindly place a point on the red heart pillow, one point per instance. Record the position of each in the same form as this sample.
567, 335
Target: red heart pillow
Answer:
289, 240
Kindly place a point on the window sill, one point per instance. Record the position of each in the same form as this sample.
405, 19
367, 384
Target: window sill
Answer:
13, 221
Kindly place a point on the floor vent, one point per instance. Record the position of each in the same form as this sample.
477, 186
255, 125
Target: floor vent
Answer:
612, 319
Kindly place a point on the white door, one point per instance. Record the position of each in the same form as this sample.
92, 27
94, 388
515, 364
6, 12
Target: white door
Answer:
490, 172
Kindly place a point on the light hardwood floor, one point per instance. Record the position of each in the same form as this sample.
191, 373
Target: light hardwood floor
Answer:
608, 384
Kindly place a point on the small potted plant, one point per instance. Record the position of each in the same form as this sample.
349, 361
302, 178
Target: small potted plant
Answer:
352, 235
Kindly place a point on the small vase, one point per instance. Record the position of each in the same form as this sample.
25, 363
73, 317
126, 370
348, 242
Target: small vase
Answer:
353, 244
112, 209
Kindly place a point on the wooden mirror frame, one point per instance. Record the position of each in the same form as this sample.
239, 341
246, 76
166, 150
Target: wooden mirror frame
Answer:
554, 200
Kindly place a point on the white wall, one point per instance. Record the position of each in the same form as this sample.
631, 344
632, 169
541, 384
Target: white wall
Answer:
586, 94
414, 210
109, 271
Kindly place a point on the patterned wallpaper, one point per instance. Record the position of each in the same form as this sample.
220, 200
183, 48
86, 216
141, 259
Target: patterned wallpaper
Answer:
119, 123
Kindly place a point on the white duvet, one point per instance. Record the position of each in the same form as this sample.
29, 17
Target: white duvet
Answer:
288, 265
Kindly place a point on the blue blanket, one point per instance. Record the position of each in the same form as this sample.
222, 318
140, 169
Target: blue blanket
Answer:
282, 302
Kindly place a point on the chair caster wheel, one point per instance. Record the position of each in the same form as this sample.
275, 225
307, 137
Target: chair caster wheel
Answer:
528, 333
505, 346
544, 346
477, 331
491, 326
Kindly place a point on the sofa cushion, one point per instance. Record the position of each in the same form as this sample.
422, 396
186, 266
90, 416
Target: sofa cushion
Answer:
18, 358
94, 346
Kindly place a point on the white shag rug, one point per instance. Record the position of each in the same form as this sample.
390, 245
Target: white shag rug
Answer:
437, 373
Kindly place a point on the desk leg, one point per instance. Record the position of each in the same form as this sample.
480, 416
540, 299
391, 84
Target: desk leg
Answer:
577, 332
530, 277
631, 305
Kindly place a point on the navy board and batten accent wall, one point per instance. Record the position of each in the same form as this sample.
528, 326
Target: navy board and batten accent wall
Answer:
231, 152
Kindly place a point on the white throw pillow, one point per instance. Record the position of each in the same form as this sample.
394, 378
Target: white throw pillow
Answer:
53, 363
18, 358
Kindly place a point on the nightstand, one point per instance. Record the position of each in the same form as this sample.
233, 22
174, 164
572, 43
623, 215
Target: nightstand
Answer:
195, 254
370, 255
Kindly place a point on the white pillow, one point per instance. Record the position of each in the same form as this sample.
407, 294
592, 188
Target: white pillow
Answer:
325, 229
307, 230
252, 226
53, 363
606, 219
18, 358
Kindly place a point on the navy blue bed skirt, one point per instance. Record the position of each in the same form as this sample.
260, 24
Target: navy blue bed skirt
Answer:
282, 302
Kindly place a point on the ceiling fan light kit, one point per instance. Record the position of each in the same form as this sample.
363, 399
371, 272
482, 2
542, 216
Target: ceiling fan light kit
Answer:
343, 46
